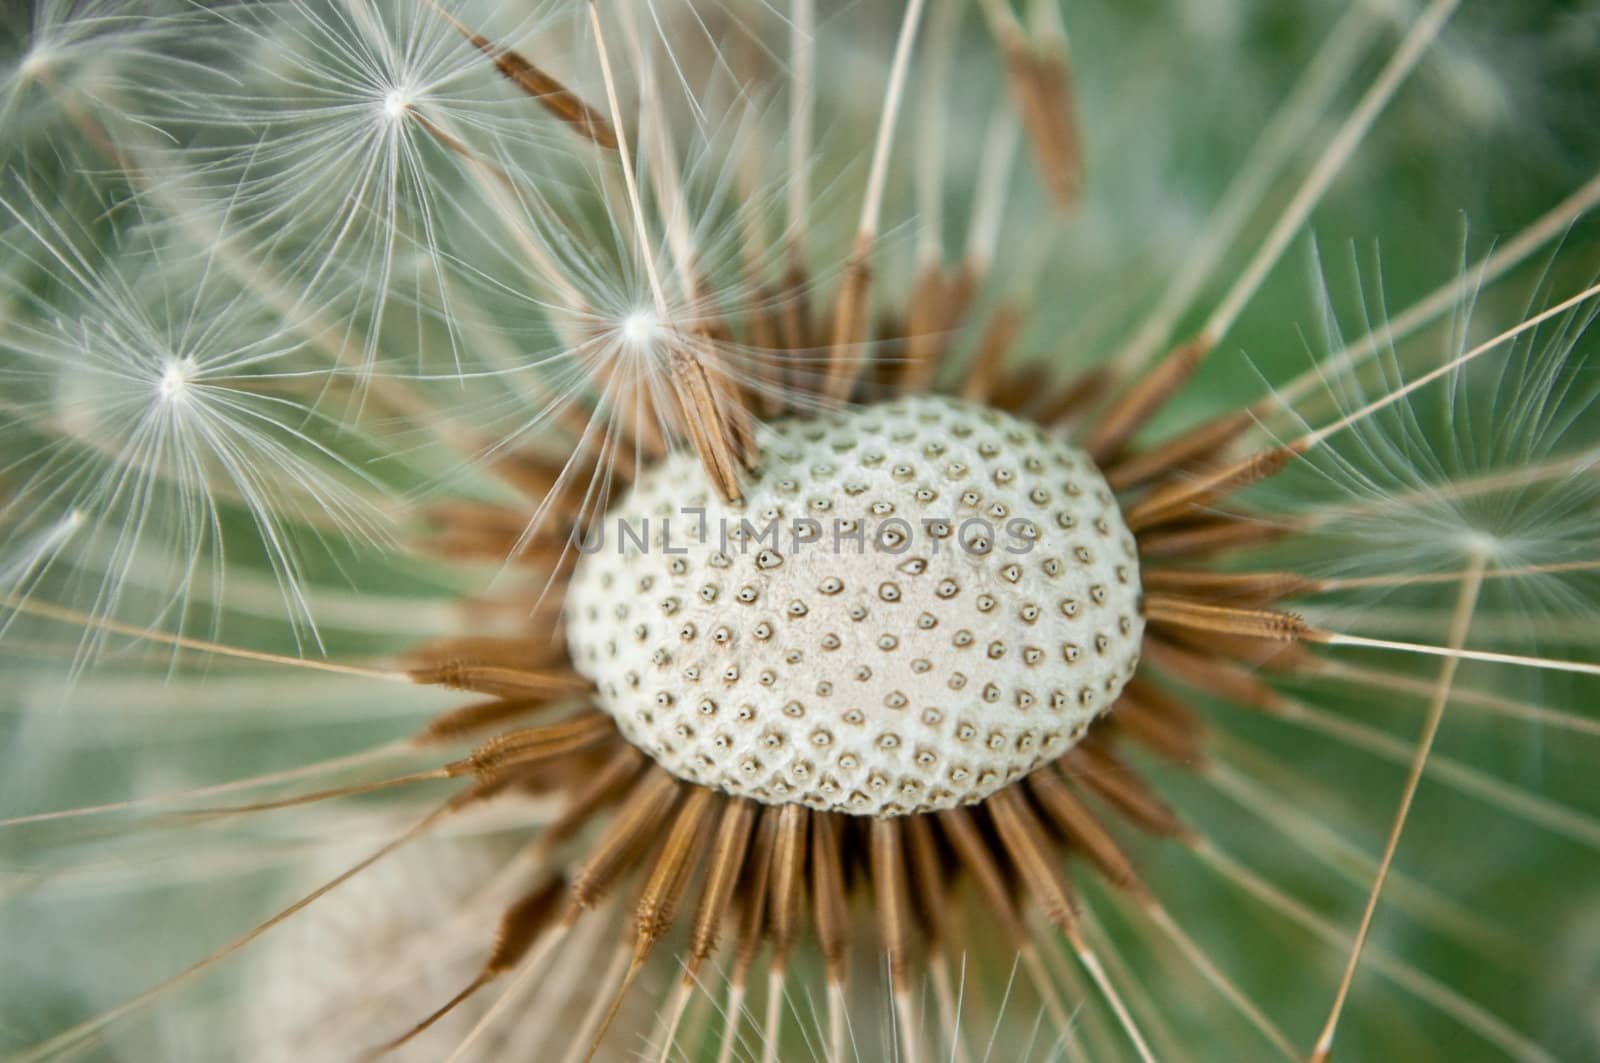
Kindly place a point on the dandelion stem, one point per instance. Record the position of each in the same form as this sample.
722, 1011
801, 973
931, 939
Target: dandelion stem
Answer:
531, 966
319, 768
625, 157
1559, 819
878, 175
850, 317
1183, 498
1455, 490
1328, 668
1487, 269
1282, 136
1516, 572
550, 93
1219, 981
802, 101
64, 615
1469, 1014
1317, 436
1139, 403
75, 1036
931, 121
1334, 638
989, 197
1328, 166
1461, 622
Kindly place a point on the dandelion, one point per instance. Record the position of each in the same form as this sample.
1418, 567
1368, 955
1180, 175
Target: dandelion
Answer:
876, 579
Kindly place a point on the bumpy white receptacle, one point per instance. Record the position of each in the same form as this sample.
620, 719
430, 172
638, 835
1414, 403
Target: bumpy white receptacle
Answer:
918, 603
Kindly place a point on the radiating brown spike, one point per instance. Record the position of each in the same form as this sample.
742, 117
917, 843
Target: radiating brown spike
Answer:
1077, 395
788, 874
502, 754
734, 401
564, 775
501, 680
729, 856
472, 530
492, 607
710, 421
352, 790
761, 319
794, 318
880, 377
979, 861
1164, 703
978, 857
850, 325
827, 892
1035, 860
680, 854
531, 474
959, 294
998, 336
600, 788
1018, 391
753, 888
627, 403
1224, 619
536, 652
893, 901
520, 926
1098, 770
1042, 84
1173, 455
657, 906
926, 324
1236, 588
625, 838
1269, 655
1144, 399
927, 877
1220, 678
1210, 537
551, 94
457, 723
1074, 819
1159, 721
1180, 499
886, 854
930, 902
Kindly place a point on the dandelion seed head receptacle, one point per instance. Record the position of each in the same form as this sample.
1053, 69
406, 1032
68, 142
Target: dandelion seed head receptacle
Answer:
816, 644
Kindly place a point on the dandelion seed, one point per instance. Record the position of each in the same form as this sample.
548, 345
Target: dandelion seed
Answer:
137, 425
